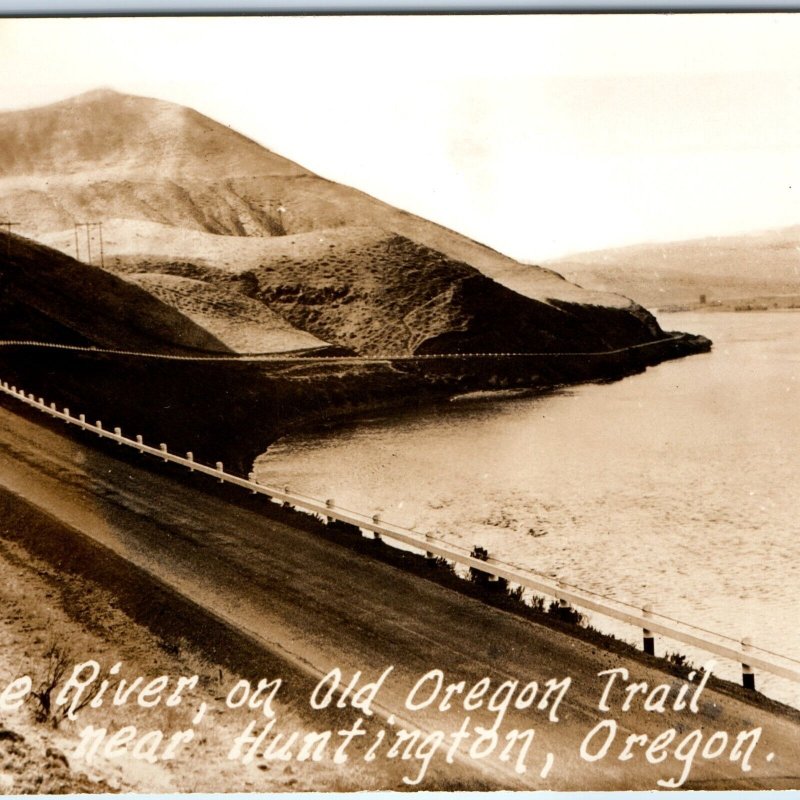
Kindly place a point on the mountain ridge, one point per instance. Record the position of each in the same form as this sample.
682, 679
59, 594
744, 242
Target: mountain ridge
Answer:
100, 122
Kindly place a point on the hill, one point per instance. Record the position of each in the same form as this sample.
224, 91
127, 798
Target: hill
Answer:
759, 267
48, 296
182, 195
107, 155
365, 289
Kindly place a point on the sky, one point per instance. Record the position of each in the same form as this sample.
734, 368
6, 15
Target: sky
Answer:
538, 135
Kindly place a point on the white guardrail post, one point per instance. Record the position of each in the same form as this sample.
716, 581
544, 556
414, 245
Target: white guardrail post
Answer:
748, 676
650, 623
648, 640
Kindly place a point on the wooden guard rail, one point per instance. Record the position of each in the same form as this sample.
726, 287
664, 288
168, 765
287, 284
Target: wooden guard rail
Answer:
742, 652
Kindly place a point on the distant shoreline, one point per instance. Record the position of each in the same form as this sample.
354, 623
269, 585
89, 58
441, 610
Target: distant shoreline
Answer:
768, 303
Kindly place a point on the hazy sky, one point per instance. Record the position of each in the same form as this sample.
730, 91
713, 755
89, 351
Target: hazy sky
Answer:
537, 135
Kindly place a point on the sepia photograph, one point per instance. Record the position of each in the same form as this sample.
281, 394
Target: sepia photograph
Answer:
399, 403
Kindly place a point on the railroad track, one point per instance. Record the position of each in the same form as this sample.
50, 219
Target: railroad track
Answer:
318, 358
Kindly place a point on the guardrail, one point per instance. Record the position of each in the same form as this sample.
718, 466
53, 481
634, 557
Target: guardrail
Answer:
742, 651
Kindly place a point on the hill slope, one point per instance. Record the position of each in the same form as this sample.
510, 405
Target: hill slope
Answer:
107, 155
47, 296
366, 289
242, 324
724, 269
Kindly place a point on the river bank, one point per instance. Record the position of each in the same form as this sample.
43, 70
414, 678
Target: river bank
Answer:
231, 411
773, 302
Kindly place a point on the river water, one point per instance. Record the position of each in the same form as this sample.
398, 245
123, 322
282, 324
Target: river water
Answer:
676, 487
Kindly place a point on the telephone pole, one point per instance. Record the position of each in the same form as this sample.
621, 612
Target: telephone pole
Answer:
88, 226
8, 226
102, 258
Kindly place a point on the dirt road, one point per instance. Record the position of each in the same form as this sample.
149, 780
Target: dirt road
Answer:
321, 606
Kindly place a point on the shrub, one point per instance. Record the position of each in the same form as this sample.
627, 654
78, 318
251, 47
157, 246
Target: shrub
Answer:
678, 659
565, 613
57, 660
476, 575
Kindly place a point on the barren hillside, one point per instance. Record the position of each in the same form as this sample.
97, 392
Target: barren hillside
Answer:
366, 289
106, 155
128, 137
722, 269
